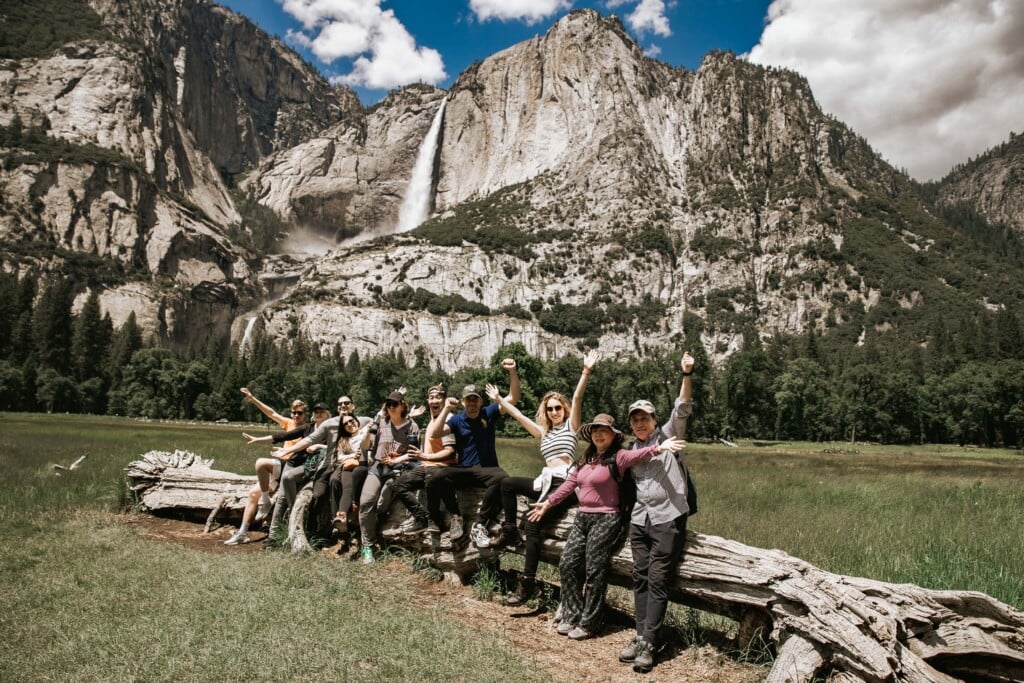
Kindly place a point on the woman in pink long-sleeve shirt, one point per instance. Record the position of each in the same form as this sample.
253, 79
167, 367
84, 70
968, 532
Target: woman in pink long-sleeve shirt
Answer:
595, 533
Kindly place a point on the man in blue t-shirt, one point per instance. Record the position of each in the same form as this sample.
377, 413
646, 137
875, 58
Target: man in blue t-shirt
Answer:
474, 431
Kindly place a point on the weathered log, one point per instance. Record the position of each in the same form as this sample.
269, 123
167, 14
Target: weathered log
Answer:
820, 624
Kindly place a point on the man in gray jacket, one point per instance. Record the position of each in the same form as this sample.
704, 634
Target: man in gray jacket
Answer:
657, 528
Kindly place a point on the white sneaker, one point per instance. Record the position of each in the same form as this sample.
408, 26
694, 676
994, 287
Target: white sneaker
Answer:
412, 526
238, 538
262, 510
480, 536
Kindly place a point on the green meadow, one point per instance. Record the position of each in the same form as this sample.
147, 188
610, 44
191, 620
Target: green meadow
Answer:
83, 595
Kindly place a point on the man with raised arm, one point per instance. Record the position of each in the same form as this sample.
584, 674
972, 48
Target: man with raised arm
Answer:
435, 453
657, 528
475, 431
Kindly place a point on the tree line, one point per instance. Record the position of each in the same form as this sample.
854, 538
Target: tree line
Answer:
965, 385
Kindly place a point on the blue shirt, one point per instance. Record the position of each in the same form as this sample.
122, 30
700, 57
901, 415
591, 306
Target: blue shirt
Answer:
474, 439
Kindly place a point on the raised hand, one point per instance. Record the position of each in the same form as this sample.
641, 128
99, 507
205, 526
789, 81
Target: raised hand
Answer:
492, 392
509, 364
416, 411
590, 360
452, 403
246, 392
671, 444
402, 390
687, 362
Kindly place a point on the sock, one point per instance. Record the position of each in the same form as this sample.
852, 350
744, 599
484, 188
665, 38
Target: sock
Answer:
245, 527
265, 497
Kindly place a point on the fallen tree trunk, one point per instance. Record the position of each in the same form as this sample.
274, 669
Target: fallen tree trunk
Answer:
820, 624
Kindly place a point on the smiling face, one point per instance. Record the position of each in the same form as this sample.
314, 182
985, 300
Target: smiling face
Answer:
350, 424
642, 423
396, 411
555, 412
435, 401
473, 405
345, 406
319, 416
298, 413
601, 437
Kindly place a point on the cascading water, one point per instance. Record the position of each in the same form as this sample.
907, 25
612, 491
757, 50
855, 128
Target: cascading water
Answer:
416, 204
245, 337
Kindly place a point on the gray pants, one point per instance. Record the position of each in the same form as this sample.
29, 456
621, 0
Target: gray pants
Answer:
375, 498
657, 550
292, 480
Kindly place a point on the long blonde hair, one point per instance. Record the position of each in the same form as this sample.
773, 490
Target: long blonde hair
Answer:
542, 410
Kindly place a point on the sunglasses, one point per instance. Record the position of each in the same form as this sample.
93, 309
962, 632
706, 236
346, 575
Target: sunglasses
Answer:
553, 409
298, 412
344, 403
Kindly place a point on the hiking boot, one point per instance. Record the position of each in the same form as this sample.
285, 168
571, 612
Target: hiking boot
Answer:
340, 523
238, 538
628, 653
563, 628
644, 659
412, 526
524, 591
580, 633
455, 530
368, 555
480, 536
509, 538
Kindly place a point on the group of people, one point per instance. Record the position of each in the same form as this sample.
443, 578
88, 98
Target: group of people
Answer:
357, 465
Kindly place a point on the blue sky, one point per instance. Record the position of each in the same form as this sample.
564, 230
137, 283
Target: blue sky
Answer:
460, 36
928, 83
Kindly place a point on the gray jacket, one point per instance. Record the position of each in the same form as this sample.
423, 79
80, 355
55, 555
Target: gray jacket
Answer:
660, 481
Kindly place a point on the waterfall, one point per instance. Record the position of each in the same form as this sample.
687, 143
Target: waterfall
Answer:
245, 337
416, 204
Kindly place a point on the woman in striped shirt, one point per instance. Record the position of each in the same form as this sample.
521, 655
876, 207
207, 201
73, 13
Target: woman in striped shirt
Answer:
555, 426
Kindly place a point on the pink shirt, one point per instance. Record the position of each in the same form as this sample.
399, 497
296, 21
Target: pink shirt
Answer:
598, 490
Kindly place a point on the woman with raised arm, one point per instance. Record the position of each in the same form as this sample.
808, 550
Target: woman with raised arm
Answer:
596, 532
268, 470
555, 426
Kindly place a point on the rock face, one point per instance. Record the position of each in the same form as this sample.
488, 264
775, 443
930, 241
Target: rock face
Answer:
132, 136
586, 194
583, 195
351, 177
993, 184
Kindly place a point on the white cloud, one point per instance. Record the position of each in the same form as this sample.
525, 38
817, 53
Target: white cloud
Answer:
928, 83
653, 51
395, 60
530, 11
649, 16
352, 28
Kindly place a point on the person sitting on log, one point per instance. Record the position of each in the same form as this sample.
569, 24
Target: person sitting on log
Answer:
475, 432
657, 525
268, 470
436, 453
556, 425
292, 471
389, 439
336, 485
595, 534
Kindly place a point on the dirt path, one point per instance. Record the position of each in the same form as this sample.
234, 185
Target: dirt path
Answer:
527, 632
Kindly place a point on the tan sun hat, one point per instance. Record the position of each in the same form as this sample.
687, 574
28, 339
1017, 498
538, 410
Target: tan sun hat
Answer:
600, 420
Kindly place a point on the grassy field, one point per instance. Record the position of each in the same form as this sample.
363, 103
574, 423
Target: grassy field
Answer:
83, 595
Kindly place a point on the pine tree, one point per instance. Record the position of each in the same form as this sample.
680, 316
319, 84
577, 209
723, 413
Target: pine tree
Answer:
126, 341
51, 323
90, 339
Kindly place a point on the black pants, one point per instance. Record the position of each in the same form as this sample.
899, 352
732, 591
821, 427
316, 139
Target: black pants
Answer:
343, 485
523, 486
657, 550
449, 479
415, 479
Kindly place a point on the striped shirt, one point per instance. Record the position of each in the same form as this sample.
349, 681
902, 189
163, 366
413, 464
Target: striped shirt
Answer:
558, 444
